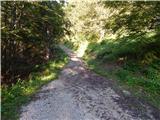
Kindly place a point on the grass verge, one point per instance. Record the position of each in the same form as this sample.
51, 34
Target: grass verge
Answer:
20, 93
146, 88
135, 69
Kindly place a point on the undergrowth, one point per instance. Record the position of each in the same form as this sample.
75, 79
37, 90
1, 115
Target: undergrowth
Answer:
15, 96
123, 59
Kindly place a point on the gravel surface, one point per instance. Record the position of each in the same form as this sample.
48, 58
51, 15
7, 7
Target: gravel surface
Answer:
79, 94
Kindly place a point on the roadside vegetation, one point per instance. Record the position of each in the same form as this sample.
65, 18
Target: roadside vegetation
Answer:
123, 43
140, 76
21, 92
119, 40
30, 34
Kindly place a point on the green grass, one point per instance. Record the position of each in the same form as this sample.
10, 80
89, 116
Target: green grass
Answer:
138, 66
20, 93
146, 87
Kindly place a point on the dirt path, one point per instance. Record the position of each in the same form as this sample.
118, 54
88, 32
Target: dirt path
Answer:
80, 94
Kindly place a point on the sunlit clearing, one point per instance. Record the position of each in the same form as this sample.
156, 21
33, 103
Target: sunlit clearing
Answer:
82, 48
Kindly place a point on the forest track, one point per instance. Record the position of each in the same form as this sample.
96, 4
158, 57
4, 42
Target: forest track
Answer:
80, 94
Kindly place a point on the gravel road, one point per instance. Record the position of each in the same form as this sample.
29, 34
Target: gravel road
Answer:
80, 94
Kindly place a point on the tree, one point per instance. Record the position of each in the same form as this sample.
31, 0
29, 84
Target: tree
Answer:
30, 31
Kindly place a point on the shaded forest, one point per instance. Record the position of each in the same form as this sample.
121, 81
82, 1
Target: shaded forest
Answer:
30, 32
117, 39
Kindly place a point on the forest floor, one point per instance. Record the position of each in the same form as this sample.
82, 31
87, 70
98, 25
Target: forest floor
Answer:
80, 94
